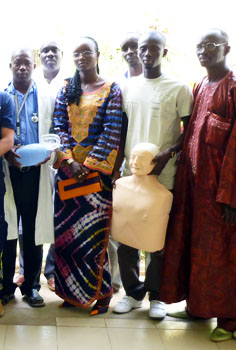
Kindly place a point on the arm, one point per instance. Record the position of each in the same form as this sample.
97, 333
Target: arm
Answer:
60, 126
226, 194
162, 158
7, 140
120, 156
184, 103
104, 153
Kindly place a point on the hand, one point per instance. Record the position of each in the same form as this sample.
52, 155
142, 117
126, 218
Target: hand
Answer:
12, 156
229, 214
115, 177
44, 161
160, 162
79, 171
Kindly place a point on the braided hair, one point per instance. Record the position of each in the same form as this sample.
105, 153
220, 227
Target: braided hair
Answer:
73, 89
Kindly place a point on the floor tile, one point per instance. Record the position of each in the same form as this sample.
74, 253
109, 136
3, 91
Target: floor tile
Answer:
188, 325
227, 345
31, 337
80, 322
187, 340
82, 338
3, 329
135, 339
129, 323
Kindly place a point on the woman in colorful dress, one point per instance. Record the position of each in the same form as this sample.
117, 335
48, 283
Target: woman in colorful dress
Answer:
88, 119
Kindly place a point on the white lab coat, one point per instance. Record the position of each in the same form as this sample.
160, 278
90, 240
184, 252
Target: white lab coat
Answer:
44, 228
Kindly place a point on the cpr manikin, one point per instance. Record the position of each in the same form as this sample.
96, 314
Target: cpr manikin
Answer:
141, 205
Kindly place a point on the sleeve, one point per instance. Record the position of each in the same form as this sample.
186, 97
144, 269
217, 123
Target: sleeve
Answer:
184, 101
227, 184
8, 115
61, 128
104, 153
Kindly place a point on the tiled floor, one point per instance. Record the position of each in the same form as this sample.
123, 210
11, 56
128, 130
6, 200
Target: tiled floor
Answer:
53, 328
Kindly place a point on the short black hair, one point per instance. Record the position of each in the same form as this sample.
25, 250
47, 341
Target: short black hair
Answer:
222, 33
154, 34
22, 50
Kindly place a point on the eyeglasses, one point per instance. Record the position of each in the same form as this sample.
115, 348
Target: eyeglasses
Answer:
209, 46
83, 54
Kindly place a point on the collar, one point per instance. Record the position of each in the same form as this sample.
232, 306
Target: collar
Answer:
11, 88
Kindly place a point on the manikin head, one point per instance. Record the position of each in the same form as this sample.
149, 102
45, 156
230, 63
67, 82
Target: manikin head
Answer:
141, 158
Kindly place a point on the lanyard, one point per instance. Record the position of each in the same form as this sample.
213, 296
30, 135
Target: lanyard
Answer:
18, 110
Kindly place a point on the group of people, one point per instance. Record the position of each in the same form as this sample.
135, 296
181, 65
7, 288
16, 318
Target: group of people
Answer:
99, 123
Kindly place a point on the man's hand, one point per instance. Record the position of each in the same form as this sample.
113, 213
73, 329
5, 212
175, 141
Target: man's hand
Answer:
115, 177
160, 162
229, 214
11, 156
79, 171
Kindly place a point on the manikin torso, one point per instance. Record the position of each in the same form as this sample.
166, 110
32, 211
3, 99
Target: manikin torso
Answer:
141, 206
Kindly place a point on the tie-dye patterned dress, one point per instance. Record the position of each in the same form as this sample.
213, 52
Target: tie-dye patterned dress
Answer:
90, 134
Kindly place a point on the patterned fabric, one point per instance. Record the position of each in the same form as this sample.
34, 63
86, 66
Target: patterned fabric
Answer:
90, 133
200, 255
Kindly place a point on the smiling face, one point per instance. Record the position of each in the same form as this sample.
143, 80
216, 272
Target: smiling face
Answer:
22, 66
140, 162
129, 49
50, 56
151, 48
212, 55
85, 55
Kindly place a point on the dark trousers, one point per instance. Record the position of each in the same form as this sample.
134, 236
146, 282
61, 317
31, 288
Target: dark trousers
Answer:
21, 262
3, 236
129, 262
49, 266
25, 188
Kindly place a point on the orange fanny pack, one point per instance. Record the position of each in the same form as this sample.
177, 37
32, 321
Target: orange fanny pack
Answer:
70, 188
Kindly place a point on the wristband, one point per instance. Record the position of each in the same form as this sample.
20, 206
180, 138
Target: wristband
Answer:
173, 154
69, 161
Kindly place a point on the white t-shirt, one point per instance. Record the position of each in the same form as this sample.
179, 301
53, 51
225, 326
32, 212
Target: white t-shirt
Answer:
154, 108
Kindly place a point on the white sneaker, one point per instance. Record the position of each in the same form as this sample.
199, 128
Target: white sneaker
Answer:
126, 304
157, 309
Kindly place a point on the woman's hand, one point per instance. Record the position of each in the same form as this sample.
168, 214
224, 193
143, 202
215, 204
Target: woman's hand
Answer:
79, 171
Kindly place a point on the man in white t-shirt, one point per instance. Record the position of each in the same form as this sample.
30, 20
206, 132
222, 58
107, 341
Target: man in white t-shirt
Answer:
129, 50
155, 106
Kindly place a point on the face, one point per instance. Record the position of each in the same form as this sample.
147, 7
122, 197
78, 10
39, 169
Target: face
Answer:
50, 56
211, 55
151, 50
22, 66
129, 50
85, 55
140, 162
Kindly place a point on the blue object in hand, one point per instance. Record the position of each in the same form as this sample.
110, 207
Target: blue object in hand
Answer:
32, 154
